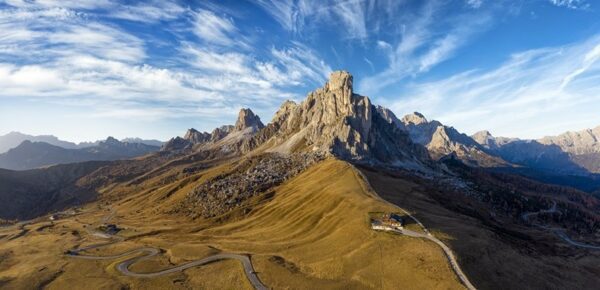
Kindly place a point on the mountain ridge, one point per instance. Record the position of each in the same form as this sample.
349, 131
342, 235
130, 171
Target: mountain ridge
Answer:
30, 155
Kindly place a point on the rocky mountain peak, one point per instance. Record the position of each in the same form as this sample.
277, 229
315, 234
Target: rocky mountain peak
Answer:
415, 118
484, 138
111, 141
220, 132
483, 134
196, 137
334, 119
340, 81
247, 119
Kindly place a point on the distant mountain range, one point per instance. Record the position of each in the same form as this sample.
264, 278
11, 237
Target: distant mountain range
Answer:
30, 155
14, 139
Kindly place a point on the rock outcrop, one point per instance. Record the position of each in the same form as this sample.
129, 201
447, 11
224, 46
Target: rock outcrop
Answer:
226, 138
576, 143
569, 153
441, 141
247, 119
485, 139
335, 120
220, 133
196, 137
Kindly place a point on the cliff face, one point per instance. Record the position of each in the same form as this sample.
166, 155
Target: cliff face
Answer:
571, 152
441, 141
335, 120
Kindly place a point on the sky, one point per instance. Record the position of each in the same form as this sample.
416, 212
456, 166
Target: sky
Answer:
84, 70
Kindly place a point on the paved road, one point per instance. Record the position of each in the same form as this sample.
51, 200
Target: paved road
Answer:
558, 231
148, 252
447, 251
449, 255
552, 209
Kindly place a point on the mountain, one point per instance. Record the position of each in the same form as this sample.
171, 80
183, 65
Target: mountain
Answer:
246, 125
13, 139
583, 147
333, 119
551, 154
296, 197
151, 142
31, 155
441, 140
31, 193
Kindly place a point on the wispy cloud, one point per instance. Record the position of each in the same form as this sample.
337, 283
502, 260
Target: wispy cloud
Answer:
530, 93
214, 29
474, 3
572, 4
43, 34
351, 15
422, 46
149, 11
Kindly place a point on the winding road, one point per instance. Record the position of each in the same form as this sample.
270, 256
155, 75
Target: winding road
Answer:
148, 252
558, 231
427, 235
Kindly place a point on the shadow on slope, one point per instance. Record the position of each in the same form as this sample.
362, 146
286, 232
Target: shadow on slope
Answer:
494, 248
31, 193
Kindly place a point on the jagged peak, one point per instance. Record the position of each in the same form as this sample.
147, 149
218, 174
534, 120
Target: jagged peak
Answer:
247, 119
415, 118
340, 80
192, 131
196, 136
483, 133
111, 140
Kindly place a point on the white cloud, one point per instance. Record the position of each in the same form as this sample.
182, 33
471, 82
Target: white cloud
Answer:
422, 46
572, 4
474, 3
213, 61
353, 15
72, 4
149, 11
213, 28
536, 92
42, 34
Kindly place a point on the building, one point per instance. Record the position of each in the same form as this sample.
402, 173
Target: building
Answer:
388, 222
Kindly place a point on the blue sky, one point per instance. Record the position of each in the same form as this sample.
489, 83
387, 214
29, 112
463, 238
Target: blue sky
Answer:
84, 70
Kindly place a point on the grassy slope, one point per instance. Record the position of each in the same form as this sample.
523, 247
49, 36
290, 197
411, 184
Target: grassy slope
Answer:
318, 224
312, 234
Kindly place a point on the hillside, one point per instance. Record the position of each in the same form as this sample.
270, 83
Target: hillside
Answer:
28, 194
496, 247
311, 232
